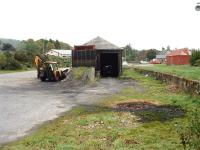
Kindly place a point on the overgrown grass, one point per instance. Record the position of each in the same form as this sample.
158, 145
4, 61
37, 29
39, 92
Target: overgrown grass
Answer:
102, 127
185, 71
79, 72
13, 71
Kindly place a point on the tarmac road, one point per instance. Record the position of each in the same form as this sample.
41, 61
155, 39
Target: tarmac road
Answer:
26, 102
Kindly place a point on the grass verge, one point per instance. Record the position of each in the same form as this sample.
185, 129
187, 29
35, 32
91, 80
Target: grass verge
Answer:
14, 71
104, 127
186, 71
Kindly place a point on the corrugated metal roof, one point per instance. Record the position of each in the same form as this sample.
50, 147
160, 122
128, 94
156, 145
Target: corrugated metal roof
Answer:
101, 43
62, 51
179, 52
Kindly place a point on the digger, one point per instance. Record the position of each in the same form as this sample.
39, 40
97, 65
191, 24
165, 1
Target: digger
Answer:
48, 70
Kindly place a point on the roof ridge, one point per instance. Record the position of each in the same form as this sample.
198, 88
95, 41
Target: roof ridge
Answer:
101, 43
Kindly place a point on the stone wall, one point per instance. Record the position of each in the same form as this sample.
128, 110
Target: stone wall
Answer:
187, 85
83, 74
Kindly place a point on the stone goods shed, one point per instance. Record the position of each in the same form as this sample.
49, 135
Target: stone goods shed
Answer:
101, 54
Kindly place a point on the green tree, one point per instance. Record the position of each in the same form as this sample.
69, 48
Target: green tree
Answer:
8, 47
57, 44
2, 61
65, 45
11, 62
151, 54
195, 58
31, 45
189, 134
21, 56
50, 45
129, 53
21, 45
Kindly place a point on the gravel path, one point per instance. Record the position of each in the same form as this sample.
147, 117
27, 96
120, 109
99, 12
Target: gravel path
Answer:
26, 102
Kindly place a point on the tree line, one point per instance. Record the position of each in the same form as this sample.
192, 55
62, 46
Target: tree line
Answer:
132, 55
21, 56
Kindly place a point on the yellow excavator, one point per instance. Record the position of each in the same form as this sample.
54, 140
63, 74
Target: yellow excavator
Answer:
48, 70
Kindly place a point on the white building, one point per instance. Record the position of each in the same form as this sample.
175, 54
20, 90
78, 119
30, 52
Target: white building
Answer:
162, 55
60, 53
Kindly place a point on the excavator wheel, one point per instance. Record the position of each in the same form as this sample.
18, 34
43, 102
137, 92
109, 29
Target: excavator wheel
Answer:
43, 78
57, 77
62, 76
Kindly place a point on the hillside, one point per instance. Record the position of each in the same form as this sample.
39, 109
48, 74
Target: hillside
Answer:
10, 41
35, 44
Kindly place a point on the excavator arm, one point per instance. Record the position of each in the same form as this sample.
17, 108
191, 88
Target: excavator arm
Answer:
38, 64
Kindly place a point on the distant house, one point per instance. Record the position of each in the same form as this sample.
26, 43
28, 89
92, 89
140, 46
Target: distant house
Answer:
161, 56
60, 53
179, 57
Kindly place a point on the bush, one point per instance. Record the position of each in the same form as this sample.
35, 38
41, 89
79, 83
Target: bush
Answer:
62, 62
2, 61
12, 64
190, 134
25, 58
197, 62
195, 58
21, 56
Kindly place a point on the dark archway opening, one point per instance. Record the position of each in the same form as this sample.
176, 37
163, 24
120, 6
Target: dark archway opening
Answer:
109, 65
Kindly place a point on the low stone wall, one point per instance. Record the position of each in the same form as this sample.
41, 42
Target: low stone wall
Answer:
83, 74
187, 85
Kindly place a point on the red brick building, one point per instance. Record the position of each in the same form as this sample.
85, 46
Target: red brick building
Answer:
179, 57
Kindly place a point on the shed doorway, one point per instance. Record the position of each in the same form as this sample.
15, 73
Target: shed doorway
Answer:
109, 65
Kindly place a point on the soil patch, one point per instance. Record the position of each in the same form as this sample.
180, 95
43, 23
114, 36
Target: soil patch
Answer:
148, 111
173, 88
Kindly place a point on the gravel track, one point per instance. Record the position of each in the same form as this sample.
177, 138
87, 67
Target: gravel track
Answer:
26, 102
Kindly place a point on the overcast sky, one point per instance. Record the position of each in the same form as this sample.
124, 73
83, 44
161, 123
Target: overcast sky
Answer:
144, 24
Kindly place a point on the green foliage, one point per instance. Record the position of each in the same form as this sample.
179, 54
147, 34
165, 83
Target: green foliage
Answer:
197, 63
27, 50
142, 55
195, 58
129, 53
42, 45
11, 62
57, 45
21, 56
103, 127
25, 57
151, 54
190, 134
2, 61
8, 47
62, 62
